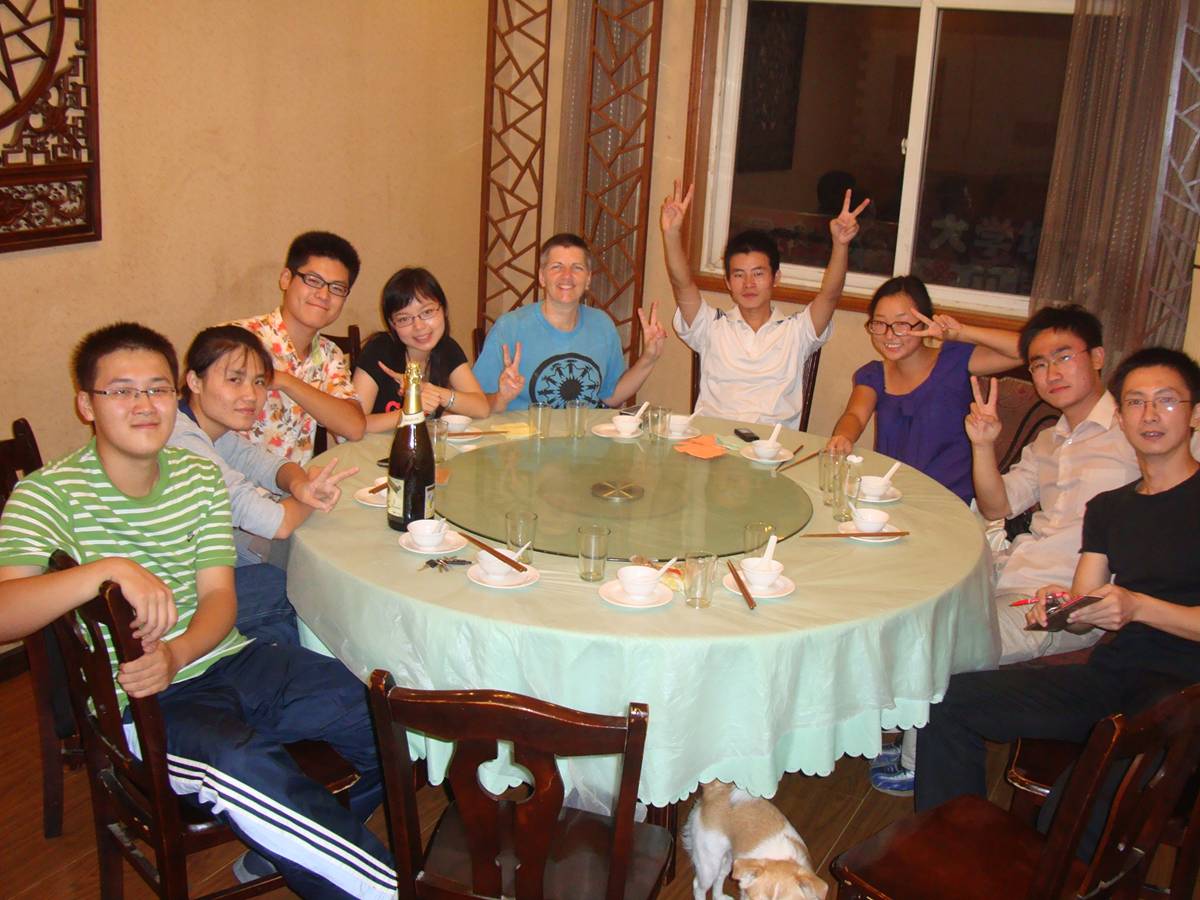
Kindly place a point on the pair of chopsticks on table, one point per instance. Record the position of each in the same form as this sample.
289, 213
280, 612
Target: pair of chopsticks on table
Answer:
796, 462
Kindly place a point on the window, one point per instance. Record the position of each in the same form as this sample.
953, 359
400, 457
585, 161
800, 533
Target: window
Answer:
943, 112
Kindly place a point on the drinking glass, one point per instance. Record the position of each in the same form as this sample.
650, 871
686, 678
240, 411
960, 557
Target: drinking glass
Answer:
656, 421
829, 464
438, 429
577, 418
699, 570
847, 489
521, 526
755, 536
593, 552
539, 419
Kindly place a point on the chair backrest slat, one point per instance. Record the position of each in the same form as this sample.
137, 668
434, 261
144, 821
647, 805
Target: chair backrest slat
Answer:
19, 455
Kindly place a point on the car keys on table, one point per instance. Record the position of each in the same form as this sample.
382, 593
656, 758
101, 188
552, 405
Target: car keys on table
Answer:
443, 563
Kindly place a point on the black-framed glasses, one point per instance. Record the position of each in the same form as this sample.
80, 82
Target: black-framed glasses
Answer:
426, 315
316, 282
1139, 405
899, 329
129, 394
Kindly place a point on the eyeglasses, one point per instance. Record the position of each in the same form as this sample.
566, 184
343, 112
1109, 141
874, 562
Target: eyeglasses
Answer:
1060, 359
316, 282
899, 329
425, 315
1161, 404
129, 395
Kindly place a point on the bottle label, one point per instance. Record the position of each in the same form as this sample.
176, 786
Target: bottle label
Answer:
412, 419
395, 501
428, 503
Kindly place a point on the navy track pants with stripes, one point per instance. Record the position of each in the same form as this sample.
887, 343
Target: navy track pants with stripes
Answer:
225, 734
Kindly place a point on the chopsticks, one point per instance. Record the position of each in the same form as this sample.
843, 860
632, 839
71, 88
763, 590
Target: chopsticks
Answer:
382, 486
496, 553
737, 579
856, 534
797, 462
474, 434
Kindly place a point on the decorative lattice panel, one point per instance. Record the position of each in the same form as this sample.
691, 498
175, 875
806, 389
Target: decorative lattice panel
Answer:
514, 141
49, 137
625, 37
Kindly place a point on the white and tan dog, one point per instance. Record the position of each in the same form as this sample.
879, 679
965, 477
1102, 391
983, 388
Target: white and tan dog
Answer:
730, 831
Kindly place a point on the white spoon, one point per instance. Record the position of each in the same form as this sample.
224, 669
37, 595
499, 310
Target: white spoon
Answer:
667, 565
887, 479
638, 415
769, 553
775, 433
517, 554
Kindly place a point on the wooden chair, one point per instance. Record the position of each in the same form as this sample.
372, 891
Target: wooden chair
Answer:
351, 345
57, 737
132, 799
810, 384
486, 846
968, 848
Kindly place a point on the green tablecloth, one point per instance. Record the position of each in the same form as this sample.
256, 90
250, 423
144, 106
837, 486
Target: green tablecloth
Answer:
869, 638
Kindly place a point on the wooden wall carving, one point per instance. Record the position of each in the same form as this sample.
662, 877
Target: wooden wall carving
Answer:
49, 129
514, 149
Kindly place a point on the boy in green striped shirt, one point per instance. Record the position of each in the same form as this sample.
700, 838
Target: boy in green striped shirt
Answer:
156, 521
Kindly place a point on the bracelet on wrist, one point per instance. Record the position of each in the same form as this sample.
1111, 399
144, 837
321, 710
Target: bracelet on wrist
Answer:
450, 402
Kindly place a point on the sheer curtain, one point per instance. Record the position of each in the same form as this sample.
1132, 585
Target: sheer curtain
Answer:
1121, 211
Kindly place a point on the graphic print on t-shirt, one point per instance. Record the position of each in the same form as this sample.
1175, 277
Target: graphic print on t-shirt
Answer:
566, 377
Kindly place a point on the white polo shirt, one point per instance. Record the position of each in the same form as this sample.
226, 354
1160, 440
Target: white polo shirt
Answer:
748, 375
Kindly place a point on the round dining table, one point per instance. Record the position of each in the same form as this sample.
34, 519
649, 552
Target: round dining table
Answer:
867, 640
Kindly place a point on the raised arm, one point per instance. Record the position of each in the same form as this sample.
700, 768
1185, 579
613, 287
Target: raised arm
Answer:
679, 269
843, 229
995, 348
859, 409
654, 337
316, 489
339, 415
511, 381
983, 428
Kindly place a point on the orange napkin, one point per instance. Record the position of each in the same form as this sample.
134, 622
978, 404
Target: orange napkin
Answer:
703, 447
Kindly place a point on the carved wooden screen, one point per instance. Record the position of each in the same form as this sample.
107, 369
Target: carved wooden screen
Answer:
49, 135
625, 37
514, 139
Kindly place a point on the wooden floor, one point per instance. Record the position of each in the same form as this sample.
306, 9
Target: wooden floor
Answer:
831, 813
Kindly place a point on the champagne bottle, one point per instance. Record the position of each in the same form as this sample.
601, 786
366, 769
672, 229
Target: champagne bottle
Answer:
410, 467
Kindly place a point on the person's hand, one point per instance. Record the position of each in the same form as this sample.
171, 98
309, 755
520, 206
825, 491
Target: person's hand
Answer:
321, 490
845, 226
511, 379
982, 424
674, 209
151, 672
941, 326
1037, 612
654, 336
432, 397
154, 612
397, 377
840, 443
1113, 612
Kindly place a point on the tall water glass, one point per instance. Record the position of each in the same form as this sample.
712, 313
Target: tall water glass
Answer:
539, 420
577, 418
829, 464
699, 571
847, 488
438, 429
521, 528
593, 552
656, 421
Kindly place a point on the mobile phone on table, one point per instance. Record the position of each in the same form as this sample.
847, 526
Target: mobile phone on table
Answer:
746, 435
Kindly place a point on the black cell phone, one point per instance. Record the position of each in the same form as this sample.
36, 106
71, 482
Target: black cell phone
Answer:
1056, 618
746, 435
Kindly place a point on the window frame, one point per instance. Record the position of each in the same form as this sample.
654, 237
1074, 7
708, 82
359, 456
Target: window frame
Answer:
718, 52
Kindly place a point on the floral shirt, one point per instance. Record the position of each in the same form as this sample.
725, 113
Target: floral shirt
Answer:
283, 426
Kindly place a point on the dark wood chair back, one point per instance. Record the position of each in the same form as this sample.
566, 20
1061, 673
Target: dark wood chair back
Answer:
478, 336
540, 732
19, 455
351, 345
811, 365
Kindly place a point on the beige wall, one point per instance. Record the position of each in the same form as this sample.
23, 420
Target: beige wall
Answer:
228, 127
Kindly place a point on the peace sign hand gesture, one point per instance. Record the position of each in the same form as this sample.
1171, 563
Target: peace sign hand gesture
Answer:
982, 424
654, 336
321, 491
845, 226
941, 326
674, 209
511, 379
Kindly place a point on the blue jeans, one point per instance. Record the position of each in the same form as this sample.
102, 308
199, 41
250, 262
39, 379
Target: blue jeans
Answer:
264, 611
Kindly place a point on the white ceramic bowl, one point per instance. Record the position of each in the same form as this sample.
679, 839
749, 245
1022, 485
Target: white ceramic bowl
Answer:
637, 581
874, 487
626, 425
765, 449
494, 568
870, 519
426, 533
456, 422
760, 572
677, 424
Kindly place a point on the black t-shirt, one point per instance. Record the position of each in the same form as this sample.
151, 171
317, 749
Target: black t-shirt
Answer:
383, 347
1153, 547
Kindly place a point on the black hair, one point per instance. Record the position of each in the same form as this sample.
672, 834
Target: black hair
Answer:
1175, 360
752, 241
411, 285
903, 284
326, 244
113, 338
1072, 318
212, 344
566, 239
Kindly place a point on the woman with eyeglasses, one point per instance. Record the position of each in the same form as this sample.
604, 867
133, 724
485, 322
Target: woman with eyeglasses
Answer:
920, 394
414, 311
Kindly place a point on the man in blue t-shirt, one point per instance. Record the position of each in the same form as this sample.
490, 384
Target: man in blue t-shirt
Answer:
558, 350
